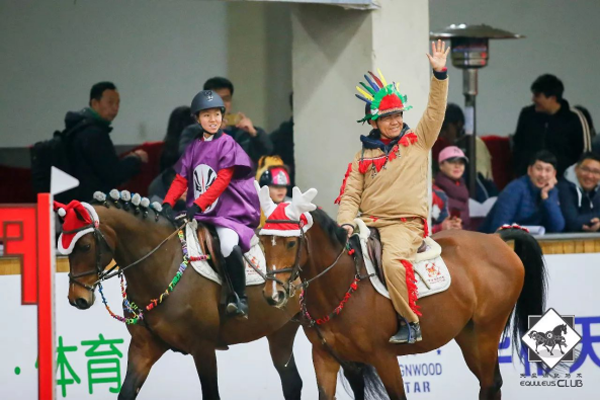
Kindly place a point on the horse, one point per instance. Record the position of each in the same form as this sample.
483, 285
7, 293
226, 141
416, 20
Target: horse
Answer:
189, 319
492, 285
550, 339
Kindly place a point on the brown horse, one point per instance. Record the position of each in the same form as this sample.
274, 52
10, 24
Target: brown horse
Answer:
490, 282
189, 321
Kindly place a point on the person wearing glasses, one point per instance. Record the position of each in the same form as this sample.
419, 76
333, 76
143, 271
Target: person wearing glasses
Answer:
580, 197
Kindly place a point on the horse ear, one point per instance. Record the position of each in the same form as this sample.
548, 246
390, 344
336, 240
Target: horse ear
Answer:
302, 202
266, 203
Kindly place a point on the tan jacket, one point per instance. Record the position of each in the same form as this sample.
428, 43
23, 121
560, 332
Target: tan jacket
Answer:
399, 189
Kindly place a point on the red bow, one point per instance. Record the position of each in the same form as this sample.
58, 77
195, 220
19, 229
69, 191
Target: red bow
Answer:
408, 139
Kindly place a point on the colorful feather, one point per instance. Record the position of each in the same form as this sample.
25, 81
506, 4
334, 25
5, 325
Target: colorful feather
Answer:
382, 77
368, 88
362, 98
373, 84
362, 92
377, 80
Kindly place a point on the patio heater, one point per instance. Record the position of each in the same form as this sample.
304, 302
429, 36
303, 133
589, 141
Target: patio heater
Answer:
470, 52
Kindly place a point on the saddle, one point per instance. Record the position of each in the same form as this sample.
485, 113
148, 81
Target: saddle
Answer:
431, 273
375, 250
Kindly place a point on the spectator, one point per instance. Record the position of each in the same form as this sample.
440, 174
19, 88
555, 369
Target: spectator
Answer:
253, 140
273, 173
551, 124
450, 179
92, 154
283, 144
453, 134
529, 200
440, 216
180, 118
580, 198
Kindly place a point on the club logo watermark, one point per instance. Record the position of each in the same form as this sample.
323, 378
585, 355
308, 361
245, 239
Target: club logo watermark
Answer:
551, 338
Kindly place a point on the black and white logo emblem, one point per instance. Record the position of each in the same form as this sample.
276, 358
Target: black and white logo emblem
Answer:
204, 177
551, 338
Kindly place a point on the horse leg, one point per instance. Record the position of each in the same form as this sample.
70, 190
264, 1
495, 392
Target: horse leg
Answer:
326, 368
281, 346
388, 370
480, 350
144, 350
205, 359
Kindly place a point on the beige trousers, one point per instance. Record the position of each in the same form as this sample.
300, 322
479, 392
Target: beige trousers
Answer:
400, 240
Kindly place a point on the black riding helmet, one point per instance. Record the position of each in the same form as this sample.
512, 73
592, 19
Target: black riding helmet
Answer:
206, 100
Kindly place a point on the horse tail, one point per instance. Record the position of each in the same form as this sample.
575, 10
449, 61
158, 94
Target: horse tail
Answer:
533, 295
362, 378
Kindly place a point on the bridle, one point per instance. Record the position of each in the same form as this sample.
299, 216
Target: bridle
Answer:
99, 271
99, 241
296, 269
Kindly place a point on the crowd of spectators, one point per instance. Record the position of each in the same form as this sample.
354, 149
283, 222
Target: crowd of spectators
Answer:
557, 173
556, 188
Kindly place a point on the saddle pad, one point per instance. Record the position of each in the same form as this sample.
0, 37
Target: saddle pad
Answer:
431, 272
255, 254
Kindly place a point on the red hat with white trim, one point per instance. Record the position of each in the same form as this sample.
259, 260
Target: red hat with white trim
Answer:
78, 219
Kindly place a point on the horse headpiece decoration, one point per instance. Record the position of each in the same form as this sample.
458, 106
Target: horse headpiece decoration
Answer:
78, 219
383, 98
295, 211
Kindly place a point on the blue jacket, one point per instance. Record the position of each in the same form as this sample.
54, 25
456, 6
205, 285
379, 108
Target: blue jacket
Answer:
578, 207
520, 203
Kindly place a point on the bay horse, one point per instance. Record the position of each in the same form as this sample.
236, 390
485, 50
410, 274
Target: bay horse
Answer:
188, 321
492, 285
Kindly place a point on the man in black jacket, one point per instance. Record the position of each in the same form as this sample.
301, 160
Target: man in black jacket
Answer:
551, 124
92, 155
254, 140
580, 195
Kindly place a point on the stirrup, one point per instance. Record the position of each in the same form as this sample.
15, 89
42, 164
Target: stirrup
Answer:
408, 333
237, 307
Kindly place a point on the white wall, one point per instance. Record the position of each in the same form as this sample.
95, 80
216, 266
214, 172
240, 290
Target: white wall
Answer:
260, 60
561, 39
157, 52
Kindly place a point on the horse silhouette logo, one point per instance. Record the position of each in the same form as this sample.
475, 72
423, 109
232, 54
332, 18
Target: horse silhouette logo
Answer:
551, 338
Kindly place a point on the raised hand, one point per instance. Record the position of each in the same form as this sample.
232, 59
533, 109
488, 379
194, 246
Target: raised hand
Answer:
437, 59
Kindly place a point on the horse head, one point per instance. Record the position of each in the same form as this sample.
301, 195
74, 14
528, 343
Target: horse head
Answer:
559, 330
87, 247
283, 238
95, 235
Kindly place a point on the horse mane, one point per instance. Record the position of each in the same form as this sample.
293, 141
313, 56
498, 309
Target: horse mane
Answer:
330, 226
134, 204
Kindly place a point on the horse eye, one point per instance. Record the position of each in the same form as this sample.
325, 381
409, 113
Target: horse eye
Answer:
85, 248
291, 244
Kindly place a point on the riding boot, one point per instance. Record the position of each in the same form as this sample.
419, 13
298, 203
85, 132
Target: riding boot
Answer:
236, 268
409, 333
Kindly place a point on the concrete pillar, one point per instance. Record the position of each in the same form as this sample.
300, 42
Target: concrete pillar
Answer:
332, 49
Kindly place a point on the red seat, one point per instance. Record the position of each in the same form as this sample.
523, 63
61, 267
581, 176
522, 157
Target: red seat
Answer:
502, 168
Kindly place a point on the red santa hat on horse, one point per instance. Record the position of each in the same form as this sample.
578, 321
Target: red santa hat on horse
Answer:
78, 219
287, 218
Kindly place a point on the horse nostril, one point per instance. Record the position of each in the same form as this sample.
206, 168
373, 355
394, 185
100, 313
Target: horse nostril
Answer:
82, 303
280, 295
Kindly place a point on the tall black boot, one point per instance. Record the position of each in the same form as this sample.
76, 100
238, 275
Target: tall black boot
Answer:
236, 268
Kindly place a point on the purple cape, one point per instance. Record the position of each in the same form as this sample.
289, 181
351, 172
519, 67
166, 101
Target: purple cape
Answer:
238, 207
